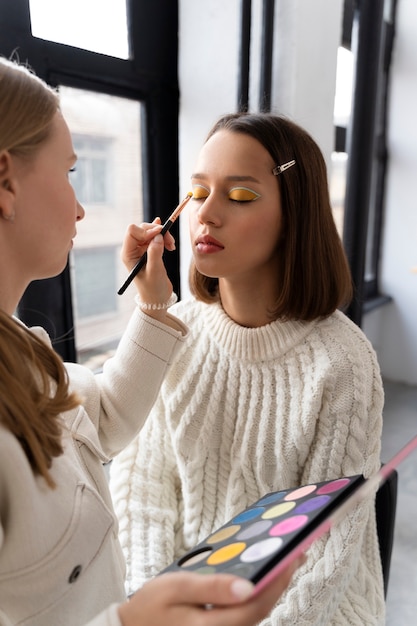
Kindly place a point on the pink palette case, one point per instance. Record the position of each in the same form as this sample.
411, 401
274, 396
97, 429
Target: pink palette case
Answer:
260, 541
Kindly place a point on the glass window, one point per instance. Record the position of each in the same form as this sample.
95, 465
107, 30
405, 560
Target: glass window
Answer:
94, 275
107, 140
338, 187
92, 176
344, 87
71, 23
342, 111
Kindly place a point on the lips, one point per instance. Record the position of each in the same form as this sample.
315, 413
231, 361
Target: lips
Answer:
206, 244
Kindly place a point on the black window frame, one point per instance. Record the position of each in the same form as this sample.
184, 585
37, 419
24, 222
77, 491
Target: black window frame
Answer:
369, 31
149, 76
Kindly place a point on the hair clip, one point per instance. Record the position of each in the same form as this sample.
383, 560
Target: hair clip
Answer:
278, 169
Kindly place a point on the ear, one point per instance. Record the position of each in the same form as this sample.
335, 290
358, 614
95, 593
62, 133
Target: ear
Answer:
7, 185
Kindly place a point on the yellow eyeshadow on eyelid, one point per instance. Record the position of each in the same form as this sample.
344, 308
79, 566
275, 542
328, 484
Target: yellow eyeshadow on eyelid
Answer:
200, 193
243, 194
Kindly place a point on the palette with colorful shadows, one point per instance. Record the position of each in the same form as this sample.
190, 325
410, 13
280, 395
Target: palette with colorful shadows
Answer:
260, 537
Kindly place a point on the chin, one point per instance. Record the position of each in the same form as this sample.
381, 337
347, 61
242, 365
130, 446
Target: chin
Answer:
55, 271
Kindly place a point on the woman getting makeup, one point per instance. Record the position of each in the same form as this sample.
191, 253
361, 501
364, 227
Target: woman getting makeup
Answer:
60, 558
273, 387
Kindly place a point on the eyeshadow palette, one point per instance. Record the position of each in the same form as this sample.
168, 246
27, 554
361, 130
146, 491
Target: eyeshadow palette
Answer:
259, 542
255, 543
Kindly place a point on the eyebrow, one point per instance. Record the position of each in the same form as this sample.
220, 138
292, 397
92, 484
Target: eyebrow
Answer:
233, 177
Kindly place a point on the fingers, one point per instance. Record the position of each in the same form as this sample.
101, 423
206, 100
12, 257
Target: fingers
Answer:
169, 241
218, 589
137, 240
151, 281
182, 599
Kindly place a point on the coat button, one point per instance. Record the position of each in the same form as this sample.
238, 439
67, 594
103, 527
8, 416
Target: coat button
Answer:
75, 574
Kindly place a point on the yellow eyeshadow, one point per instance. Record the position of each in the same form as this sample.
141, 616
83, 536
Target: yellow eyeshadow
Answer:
243, 194
226, 553
200, 192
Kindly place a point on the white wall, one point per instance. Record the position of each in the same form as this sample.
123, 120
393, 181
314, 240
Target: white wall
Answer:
208, 61
307, 33
305, 49
394, 327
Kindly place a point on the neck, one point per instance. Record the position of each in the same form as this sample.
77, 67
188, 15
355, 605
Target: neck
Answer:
247, 304
10, 291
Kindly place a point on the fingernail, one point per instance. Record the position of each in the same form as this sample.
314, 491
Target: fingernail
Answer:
158, 238
242, 588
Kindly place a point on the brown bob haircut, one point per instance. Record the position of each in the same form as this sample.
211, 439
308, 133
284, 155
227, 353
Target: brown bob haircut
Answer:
312, 273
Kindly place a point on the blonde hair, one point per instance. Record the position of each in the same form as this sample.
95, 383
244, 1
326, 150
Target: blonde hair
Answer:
34, 391
27, 108
34, 386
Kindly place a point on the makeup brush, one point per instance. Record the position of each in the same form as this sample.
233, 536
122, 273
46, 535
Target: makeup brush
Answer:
165, 228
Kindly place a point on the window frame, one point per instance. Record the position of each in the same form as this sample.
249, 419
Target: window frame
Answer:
148, 76
368, 30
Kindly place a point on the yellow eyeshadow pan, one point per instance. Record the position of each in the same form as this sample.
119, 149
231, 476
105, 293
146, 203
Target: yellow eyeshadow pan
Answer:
226, 553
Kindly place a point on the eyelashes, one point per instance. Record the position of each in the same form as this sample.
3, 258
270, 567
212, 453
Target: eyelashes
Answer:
237, 194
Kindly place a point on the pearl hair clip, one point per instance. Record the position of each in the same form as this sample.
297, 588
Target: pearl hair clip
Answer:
278, 169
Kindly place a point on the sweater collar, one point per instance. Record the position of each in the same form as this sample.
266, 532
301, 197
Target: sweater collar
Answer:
252, 344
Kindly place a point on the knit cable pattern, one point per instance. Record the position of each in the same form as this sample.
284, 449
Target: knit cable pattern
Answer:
246, 411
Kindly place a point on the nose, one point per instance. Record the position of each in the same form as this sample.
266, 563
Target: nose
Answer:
80, 212
209, 211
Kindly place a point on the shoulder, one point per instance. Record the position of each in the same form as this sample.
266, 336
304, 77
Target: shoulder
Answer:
13, 465
340, 329
10, 448
349, 353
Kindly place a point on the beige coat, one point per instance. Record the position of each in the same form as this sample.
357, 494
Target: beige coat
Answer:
60, 559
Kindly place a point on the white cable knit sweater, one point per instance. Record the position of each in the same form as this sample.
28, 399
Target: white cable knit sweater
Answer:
245, 411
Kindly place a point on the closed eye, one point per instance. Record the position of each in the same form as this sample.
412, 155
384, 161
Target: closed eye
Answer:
243, 194
200, 192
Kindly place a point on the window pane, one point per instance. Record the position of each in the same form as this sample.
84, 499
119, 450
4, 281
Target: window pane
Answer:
344, 86
71, 23
337, 187
92, 177
342, 111
106, 137
95, 282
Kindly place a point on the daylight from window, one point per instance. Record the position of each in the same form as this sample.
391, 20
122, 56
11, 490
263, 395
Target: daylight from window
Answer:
70, 23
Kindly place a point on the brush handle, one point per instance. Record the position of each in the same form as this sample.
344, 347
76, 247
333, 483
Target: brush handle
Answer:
142, 261
165, 228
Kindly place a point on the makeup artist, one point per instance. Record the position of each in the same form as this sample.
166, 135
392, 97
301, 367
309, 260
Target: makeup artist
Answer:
60, 559
273, 387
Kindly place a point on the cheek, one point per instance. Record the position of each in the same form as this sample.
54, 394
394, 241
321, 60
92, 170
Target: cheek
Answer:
268, 233
66, 205
192, 222
268, 224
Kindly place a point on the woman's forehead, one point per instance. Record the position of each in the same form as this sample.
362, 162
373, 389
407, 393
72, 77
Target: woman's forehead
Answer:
233, 152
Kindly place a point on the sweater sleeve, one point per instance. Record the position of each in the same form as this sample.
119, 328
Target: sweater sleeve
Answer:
144, 487
342, 580
119, 399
